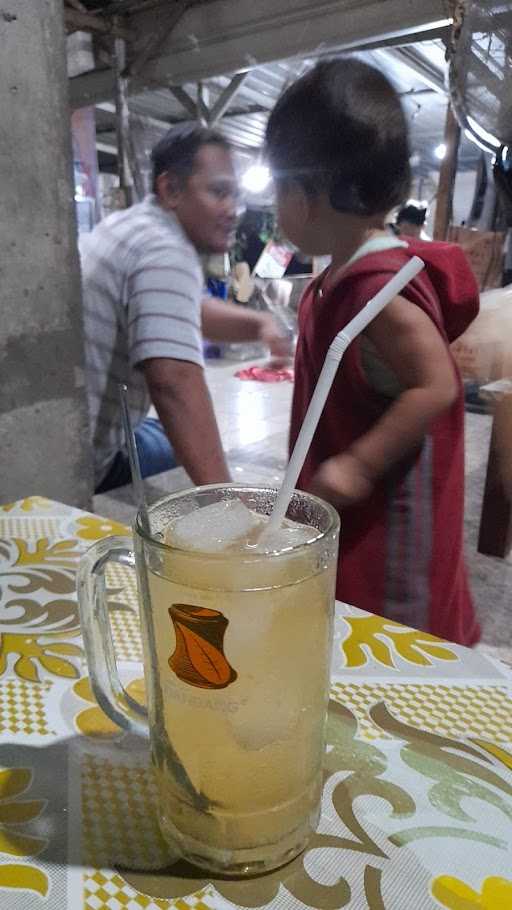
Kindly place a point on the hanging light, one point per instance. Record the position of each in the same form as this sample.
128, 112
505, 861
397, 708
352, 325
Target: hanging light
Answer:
256, 178
440, 151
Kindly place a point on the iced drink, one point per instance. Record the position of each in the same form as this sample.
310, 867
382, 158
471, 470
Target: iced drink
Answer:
237, 665
237, 629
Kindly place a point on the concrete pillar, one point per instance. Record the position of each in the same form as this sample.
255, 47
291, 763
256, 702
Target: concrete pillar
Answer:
44, 445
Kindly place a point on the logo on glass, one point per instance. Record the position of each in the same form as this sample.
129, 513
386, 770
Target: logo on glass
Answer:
199, 658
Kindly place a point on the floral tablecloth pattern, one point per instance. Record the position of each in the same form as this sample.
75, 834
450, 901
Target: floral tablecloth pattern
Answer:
417, 805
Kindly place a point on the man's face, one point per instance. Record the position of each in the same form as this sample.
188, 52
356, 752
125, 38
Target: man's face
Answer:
206, 204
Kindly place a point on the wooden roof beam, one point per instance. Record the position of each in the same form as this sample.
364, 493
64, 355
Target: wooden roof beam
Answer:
238, 35
158, 37
76, 21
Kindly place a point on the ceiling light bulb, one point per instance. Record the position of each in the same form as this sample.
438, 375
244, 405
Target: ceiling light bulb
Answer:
440, 151
256, 178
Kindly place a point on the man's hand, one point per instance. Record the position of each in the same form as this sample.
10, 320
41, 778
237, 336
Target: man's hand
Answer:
223, 321
279, 343
343, 481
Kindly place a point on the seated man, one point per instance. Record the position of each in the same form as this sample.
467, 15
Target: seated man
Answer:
143, 295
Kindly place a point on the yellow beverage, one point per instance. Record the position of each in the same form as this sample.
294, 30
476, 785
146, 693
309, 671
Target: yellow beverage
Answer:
237, 655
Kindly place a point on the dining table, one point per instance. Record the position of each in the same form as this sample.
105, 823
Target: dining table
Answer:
417, 796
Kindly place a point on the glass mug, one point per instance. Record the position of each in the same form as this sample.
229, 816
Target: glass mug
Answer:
237, 648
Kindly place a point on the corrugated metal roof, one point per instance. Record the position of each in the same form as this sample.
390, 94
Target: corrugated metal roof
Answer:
244, 124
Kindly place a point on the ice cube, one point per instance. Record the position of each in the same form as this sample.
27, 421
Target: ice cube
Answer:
270, 718
213, 528
290, 534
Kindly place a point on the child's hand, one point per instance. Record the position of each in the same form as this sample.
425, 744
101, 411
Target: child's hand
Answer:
342, 481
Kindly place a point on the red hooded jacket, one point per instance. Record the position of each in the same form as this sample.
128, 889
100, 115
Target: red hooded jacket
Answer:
401, 551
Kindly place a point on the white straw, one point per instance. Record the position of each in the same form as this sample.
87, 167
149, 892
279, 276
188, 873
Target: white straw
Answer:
131, 445
332, 361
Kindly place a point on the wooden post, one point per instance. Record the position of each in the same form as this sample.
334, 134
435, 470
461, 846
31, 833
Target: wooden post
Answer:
495, 536
83, 132
122, 124
447, 174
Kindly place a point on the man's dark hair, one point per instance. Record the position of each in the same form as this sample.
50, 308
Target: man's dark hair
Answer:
341, 129
177, 150
414, 214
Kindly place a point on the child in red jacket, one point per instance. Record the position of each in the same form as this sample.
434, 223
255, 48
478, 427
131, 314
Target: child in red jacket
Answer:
389, 448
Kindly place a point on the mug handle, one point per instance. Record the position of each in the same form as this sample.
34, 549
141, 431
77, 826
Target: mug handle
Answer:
97, 634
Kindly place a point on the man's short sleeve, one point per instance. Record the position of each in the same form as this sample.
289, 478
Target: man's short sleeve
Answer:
164, 305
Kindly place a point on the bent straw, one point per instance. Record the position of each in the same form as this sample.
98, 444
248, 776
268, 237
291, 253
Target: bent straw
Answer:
199, 800
332, 361
131, 445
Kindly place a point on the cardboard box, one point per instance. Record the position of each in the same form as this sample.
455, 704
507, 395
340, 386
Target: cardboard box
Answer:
485, 252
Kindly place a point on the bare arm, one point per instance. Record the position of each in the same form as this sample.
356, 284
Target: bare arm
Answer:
410, 344
223, 321
180, 395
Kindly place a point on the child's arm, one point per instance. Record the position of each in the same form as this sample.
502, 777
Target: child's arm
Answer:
412, 347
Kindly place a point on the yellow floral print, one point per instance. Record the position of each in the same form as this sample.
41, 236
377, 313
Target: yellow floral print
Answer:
31, 653
96, 528
26, 505
63, 553
92, 721
383, 636
30, 629
454, 894
14, 812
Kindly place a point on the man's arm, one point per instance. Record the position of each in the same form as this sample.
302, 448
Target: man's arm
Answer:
223, 321
180, 395
411, 345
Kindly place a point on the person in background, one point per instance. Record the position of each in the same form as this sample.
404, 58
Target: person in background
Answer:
410, 221
389, 448
145, 311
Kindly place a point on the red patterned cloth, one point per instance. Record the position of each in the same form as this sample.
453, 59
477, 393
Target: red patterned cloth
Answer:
265, 374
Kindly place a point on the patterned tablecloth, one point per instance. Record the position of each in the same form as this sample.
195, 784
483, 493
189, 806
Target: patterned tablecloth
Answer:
417, 809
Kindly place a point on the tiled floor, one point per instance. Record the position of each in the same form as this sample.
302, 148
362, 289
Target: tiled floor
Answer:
253, 419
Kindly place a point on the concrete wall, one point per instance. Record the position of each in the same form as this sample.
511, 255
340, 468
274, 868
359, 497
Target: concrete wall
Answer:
43, 416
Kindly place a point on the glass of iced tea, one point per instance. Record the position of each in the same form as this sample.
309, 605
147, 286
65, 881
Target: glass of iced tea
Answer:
237, 634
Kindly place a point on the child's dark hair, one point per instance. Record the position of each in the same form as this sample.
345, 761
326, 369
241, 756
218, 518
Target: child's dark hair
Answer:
177, 150
341, 129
